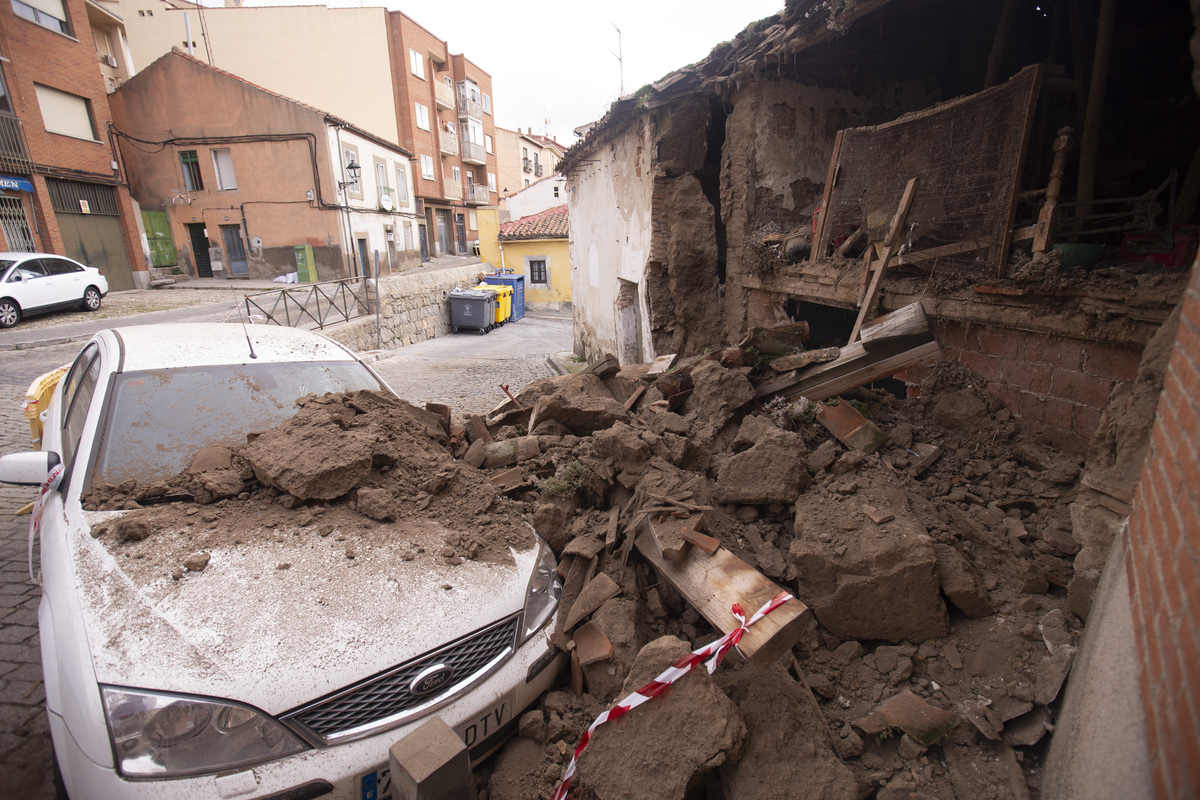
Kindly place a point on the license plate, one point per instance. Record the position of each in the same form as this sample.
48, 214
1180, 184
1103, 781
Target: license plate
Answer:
377, 785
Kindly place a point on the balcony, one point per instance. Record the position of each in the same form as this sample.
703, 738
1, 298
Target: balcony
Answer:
537, 170
469, 108
444, 95
478, 195
14, 153
451, 189
526, 165
473, 153
448, 143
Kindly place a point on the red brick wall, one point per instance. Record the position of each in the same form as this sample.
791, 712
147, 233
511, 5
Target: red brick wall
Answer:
1163, 564
1055, 386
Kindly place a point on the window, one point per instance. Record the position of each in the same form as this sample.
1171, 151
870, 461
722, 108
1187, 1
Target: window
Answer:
67, 114
416, 63
80, 384
525, 153
487, 142
408, 240
487, 104
5, 102
191, 171
427, 167
451, 128
401, 184
474, 132
381, 177
535, 268
473, 218
527, 181
492, 182
223, 166
47, 13
422, 117
555, 192
60, 266
470, 178
457, 173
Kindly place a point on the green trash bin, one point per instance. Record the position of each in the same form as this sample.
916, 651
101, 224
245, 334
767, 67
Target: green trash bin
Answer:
306, 265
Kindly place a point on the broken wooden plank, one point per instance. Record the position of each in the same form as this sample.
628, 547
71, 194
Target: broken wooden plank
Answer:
711, 584
661, 364
890, 245
1046, 218
855, 367
803, 359
603, 367
668, 533
633, 398
953, 249
778, 340
610, 533
903, 322
586, 546
822, 233
928, 455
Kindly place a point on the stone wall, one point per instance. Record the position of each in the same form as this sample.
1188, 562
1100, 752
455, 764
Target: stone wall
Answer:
414, 308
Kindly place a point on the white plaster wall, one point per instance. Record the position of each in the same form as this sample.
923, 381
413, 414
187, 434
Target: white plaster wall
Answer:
537, 197
365, 215
609, 205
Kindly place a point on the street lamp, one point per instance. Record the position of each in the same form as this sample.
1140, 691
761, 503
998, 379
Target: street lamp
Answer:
353, 170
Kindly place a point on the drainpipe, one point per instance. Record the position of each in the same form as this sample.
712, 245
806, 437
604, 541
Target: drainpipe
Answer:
187, 32
501, 256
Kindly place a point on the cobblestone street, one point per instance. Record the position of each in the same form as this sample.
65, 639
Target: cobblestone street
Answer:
463, 371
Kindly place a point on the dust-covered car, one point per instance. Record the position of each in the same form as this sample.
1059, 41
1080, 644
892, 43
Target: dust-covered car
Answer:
34, 283
288, 660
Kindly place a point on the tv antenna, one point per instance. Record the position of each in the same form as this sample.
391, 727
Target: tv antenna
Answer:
620, 60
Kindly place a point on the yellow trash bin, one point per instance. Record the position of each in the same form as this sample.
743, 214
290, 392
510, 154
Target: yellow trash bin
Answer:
504, 296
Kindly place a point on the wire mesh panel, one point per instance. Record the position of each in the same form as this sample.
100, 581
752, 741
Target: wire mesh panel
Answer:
967, 155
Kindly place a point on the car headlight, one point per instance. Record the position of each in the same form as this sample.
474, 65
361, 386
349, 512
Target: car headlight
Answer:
169, 735
541, 598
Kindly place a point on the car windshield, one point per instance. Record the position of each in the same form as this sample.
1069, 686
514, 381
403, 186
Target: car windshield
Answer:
156, 421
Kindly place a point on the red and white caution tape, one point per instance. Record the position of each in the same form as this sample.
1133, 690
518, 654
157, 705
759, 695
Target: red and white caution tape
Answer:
710, 655
35, 519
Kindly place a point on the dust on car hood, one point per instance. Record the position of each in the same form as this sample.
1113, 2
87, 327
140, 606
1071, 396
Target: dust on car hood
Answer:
276, 621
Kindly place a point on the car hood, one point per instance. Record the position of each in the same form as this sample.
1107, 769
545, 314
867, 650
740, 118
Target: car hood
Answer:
279, 621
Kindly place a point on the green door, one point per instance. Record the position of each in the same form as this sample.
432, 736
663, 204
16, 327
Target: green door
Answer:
158, 235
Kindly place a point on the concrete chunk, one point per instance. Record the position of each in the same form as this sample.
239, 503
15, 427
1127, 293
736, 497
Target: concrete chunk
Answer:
431, 763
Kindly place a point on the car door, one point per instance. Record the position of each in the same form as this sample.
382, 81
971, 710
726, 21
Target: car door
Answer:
67, 277
31, 286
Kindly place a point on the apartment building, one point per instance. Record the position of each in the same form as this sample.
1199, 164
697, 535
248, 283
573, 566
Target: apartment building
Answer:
523, 158
419, 95
60, 187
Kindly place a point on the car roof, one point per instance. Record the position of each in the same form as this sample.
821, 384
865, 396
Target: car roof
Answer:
175, 345
11, 256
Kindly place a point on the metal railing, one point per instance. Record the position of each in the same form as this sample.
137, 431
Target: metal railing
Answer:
537, 170
314, 305
14, 153
526, 165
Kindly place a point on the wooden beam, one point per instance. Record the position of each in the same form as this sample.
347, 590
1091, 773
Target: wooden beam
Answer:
871, 367
942, 251
713, 583
1030, 108
902, 323
889, 249
820, 241
1045, 223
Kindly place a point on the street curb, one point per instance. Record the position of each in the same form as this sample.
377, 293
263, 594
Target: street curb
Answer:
42, 343
554, 365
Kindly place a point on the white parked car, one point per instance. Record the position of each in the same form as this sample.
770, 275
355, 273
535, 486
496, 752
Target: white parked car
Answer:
34, 283
248, 682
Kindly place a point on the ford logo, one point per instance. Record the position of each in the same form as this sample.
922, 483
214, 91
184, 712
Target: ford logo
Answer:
430, 679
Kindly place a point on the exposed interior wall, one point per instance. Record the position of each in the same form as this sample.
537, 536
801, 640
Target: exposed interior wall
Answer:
610, 218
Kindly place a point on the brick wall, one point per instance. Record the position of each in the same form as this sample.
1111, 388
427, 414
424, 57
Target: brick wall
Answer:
1055, 386
1163, 564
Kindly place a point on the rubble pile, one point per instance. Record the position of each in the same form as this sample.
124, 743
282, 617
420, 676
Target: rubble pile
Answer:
927, 542
932, 560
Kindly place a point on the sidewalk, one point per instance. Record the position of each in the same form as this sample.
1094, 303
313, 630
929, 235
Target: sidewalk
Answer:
245, 285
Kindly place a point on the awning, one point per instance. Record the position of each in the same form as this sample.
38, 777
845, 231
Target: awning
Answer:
15, 184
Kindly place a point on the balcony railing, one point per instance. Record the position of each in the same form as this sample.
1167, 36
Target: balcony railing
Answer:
537, 170
452, 189
478, 194
444, 95
469, 108
526, 165
14, 153
449, 143
473, 153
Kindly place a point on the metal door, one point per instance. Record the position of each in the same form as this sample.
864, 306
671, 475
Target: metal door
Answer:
443, 231
96, 240
424, 244
200, 249
235, 250
17, 234
460, 228
158, 236
364, 260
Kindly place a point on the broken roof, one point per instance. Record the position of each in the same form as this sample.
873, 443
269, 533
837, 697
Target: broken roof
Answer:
548, 224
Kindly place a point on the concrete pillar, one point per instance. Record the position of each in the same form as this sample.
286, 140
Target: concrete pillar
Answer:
431, 763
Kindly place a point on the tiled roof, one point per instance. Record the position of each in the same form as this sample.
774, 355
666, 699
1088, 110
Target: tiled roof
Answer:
548, 224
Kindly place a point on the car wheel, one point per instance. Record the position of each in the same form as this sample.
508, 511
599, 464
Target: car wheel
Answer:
10, 313
91, 299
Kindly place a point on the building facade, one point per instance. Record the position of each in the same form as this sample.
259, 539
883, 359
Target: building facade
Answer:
524, 158
420, 96
60, 191
241, 182
536, 246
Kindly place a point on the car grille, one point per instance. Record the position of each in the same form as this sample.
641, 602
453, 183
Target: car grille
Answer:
387, 699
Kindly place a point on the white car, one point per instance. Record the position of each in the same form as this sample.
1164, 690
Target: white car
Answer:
242, 682
34, 283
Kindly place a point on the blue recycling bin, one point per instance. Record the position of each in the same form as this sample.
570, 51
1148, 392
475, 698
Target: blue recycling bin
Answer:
517, 282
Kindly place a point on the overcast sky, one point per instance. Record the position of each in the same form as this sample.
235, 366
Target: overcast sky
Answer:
554, 61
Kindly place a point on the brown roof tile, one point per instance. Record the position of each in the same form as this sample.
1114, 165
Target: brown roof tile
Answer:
548, 224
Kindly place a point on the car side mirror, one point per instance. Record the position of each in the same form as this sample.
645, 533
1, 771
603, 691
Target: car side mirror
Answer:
28, 469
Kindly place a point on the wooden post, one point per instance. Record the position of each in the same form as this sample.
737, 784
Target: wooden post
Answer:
1002, 29
1045, 224
1089, 142
889, 249
820, 242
